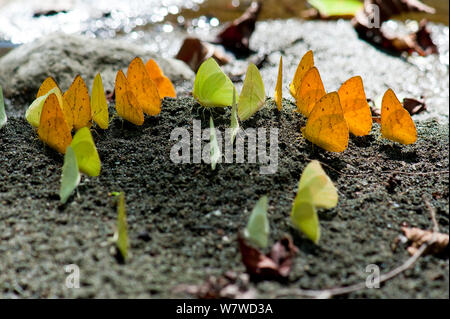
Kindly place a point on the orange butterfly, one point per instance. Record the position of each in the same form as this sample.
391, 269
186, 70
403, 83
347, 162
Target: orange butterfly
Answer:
306, 63
127, 105
53, 129
279, 86
77, 97
310, 91
326, 125
49, 84
163, 83
396, 123
354, 104
143, 88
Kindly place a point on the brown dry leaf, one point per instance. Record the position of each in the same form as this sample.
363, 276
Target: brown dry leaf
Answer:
229, 286
419, 41
236, 35
376, 114
418, 237
276, 265
414, 106
194, 51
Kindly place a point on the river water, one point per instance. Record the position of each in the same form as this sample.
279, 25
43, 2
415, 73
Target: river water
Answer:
22, 21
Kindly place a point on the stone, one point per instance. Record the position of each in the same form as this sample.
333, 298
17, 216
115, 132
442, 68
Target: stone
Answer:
64, 56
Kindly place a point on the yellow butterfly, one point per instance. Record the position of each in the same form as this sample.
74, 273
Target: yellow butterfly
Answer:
326, 125
354, 104
396, 123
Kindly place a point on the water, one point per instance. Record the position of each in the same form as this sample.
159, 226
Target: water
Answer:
22, 21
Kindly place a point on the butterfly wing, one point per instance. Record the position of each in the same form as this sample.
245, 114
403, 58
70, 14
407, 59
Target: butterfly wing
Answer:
396, 123
70, 176
354, 104
279, 86
127, 105
212, 87
326, 126
306, 63
163, 83
53, 129
77, 98
304, 217
86, 152
316, 187
48, 84
252, 95
99, 105
310, 91
143, 88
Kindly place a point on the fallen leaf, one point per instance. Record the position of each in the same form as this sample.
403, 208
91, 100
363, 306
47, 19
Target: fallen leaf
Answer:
231, 286
419, 41
236, 35
276, 265
414, 106
194, 52
418, 237
326, 9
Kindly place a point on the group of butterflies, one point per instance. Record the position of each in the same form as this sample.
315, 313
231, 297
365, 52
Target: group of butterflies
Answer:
315, 190
55, 115
331, 117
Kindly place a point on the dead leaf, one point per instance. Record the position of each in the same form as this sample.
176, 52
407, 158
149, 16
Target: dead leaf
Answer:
419, 41
236, 35
418, 237
276, 265
414, 106
376, 114
230, 286
110, 95
194, 51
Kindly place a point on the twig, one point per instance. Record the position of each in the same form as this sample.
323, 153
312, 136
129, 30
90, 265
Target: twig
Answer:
328, 293
432, 214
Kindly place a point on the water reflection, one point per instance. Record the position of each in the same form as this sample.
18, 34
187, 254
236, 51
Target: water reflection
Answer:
22, 21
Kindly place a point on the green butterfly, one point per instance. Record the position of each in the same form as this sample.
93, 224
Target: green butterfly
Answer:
212, 87
70, 177
252, 95
234, 122
315, 190
86, 152
3, 117
121, 234
257, 230
214, 145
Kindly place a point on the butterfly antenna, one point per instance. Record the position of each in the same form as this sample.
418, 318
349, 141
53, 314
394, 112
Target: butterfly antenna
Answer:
95, 131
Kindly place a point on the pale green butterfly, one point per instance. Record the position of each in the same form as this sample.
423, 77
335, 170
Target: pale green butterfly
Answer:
212, 87
33, 113
70, 177
315, 190
3, 117
257, 230
316, 187
252, 95
234, 122
121, 235
214, 145
86, 152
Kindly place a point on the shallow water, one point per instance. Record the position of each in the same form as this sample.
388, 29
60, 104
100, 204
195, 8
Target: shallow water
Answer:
22, 21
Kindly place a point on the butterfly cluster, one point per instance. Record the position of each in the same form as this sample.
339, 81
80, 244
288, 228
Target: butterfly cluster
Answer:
332, 116
56, 115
